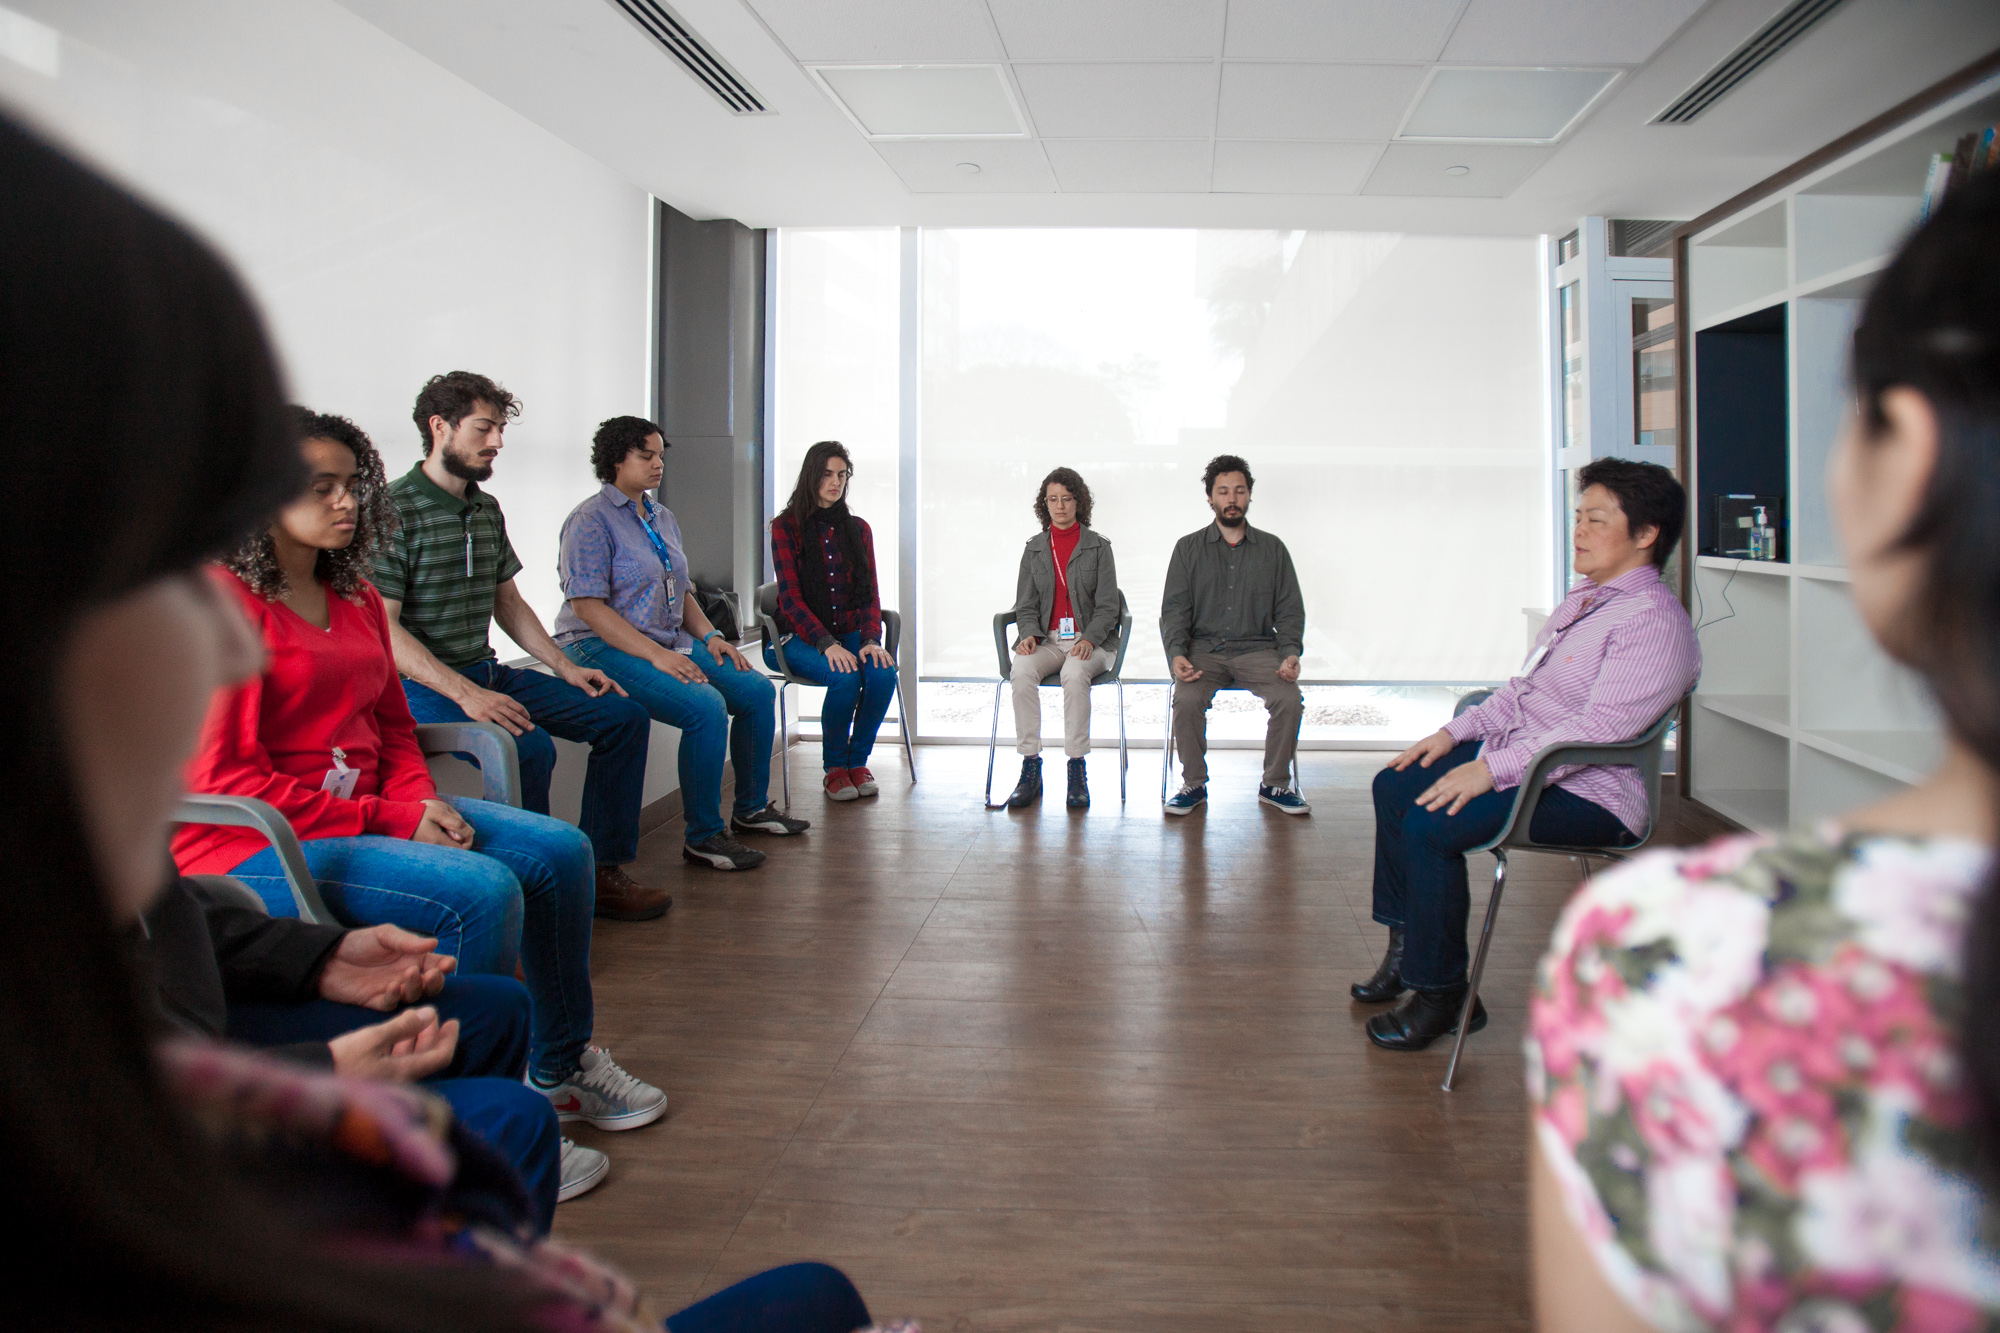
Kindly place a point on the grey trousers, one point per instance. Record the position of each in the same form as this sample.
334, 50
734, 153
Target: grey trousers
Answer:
1052, 655
1256, 672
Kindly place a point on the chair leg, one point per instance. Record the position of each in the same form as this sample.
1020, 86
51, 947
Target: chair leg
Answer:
903, 728
993, 743
1122, 761
1478, 964
1167, 748
784, 747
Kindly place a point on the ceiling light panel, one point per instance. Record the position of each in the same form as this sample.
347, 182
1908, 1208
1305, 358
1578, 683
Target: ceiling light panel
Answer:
1136, 101
1521, 105
937, 166
1493, 171
1314, 101
1353, 30
1566, 32
881, 30
1127, 166
924, 101
1110, 29
1250, 166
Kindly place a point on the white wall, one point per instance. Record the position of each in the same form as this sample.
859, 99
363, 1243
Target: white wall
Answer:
392, 220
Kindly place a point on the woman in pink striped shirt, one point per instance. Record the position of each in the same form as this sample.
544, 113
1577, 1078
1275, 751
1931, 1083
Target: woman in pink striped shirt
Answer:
1616, 654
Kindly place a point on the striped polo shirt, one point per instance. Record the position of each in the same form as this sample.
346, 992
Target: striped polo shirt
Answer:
444, 563
1610, 660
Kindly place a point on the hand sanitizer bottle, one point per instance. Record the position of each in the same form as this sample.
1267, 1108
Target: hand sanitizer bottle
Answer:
1763, 544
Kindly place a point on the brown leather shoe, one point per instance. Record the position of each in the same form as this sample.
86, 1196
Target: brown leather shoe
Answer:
622, 898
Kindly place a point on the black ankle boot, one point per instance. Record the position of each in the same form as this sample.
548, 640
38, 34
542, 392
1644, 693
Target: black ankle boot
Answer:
1029, 789
1079, 787
1423, 1017
1387, 983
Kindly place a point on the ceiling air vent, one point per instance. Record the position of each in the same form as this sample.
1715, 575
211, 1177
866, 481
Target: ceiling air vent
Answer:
684, 44
1764, 45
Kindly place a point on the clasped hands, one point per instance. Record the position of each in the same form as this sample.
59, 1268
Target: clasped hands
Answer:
1451, 791
384, 968
1029, 642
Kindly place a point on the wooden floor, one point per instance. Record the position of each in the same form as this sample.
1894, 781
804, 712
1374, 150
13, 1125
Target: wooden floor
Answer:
1055, 1072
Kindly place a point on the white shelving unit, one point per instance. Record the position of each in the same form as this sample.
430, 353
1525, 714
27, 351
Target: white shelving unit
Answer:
1799, 715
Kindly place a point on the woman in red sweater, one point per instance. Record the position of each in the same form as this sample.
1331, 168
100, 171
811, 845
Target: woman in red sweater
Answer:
325, 735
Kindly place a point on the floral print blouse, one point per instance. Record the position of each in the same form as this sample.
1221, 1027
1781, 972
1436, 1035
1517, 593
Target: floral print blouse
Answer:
1743, 1066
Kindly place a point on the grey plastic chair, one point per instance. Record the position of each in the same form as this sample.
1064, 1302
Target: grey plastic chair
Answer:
1115, 677
1642, 752
487, 746
892, 637
251, 813
1167, 748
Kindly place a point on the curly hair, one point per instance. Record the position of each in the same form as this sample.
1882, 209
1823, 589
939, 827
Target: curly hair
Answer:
453, 396
1223, 463
1067, 478
616, 438
255, 559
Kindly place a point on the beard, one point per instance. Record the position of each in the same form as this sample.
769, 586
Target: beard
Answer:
1229, 516
464, 470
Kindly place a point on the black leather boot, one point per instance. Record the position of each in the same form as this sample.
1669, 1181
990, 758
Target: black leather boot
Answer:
1079, 787
1387, 983
1029, 789
1423, 1017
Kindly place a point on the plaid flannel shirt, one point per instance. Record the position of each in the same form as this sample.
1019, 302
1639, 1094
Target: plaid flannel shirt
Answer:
849, 615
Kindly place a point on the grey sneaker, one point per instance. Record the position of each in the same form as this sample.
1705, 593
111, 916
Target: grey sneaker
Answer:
723, 853
1284, 798
769, 820
1187, 800
583, 1170
602, 1094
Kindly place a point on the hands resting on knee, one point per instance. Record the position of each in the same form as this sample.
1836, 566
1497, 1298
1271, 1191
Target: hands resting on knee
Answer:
1452, 790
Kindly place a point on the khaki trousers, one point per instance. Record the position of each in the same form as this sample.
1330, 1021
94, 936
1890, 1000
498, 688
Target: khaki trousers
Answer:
1256, 672
1077, 673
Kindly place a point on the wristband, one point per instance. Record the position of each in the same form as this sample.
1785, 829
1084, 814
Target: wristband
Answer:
712, 634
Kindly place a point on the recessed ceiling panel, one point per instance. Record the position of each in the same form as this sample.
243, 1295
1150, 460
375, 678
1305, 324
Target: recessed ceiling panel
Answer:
905, 31
975, 166
1138, 101
924, 100
1566, 32
1314, 101
1250, 166
1110, 29
1532, 105
1127, 166
1357, 30
1471, 171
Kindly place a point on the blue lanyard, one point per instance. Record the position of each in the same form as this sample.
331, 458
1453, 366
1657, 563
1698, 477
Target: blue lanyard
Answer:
659, 546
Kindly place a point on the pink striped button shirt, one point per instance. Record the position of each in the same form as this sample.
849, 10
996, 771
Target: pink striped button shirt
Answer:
1618, 655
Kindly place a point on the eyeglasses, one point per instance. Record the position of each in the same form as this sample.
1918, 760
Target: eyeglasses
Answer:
333, 492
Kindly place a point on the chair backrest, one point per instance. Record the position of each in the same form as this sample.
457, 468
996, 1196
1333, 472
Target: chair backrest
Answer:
1003, 654
1469, 701
1644, 752
491, 749
767, 599
249, 812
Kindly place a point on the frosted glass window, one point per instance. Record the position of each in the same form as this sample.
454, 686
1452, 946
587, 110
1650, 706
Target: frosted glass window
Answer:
1385, 389
836, 351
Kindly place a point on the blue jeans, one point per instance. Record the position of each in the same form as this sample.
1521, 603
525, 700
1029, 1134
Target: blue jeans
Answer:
856, 701
735, 711
1420, 884
615, 728
482, 1082
526, 891
798, 1298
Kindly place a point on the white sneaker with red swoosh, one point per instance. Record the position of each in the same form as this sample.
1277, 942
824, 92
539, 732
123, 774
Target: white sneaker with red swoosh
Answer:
602, 1094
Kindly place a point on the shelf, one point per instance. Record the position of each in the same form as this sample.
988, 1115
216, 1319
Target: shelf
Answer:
1736, 564
1774, 297
1907, 756
1764, 811
1848, 284
1825, 573
1772, 712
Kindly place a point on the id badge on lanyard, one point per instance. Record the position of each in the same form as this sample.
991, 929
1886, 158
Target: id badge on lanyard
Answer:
1065, 625
341, 779
1542, 650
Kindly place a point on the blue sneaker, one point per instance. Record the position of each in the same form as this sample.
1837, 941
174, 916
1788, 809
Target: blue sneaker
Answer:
1284, 798
1187, 800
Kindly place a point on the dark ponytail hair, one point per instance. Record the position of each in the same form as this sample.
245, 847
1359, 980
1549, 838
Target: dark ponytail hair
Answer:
1932, 324
116, 324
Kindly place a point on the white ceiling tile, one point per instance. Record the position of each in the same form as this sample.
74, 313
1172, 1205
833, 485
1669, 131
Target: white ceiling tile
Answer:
903, 31
1126, 166
1291, 166
936, 166
1528, 104
1358, 30
1420, 169
1109, 29
1562, 32
1314, 101
1119, 101
925, 99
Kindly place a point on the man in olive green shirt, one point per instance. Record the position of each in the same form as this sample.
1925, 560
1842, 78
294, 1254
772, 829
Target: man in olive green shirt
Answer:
1232, 617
